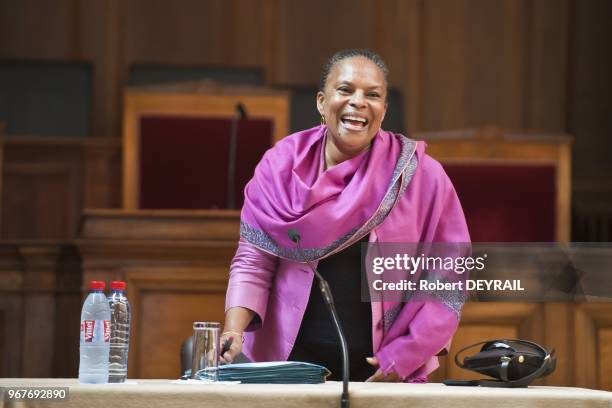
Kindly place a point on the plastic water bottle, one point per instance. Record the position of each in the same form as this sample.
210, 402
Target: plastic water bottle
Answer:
95, 336
120, 333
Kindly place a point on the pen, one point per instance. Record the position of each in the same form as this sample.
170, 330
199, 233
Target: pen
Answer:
226, 345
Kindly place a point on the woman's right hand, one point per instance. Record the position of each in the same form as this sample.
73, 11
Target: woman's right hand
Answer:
236, 347
236, 320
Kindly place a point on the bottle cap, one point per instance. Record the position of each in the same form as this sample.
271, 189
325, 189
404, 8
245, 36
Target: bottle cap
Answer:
97, 285
117, 285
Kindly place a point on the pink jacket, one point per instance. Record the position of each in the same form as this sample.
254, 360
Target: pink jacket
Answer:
277, 290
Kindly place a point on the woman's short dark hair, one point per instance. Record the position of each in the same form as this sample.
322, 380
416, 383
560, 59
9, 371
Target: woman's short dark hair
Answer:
350, 53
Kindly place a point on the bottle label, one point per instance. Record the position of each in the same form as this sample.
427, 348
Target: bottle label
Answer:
107, 329
88, 330
95, 331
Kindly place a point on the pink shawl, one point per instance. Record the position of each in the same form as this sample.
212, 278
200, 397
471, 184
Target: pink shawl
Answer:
330, 209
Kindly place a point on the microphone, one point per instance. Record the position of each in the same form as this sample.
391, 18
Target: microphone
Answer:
240, 113
294, 236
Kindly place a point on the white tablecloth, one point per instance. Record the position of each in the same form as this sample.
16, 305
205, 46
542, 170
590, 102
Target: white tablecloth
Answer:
163, 393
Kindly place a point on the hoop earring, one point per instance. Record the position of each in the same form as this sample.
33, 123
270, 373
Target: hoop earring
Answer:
322, 120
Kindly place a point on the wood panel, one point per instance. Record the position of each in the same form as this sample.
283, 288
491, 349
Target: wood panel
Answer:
515, 63
590, 87
101, 38
102, 173
39, 309
559, 334
604, 341
209, 32
46, 30
495, 62
401, 48
11, 306
248, 34
40, 201
2, 336
47, 182
68, 303
475, 63
547, 46
177, 272
593, 327
514, 147
2, 126
72, 30
166, 302
11, 309
186, 271
159, 225
176, 267
458, 63
39, 338
193, 33
303, 46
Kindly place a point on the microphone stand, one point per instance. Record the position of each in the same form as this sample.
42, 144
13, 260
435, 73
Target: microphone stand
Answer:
329, 301
240, 113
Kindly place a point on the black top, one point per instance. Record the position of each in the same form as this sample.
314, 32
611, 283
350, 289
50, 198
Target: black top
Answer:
317, 341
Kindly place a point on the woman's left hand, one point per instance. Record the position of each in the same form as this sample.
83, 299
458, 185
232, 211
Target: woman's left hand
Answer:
379, 376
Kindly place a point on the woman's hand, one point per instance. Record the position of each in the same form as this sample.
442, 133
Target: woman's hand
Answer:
379, 376
235, 348
236, 320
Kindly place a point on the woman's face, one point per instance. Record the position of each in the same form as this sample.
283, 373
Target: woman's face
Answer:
353, 103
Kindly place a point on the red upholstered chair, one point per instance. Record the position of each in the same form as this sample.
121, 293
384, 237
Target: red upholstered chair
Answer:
176, 142
514, 185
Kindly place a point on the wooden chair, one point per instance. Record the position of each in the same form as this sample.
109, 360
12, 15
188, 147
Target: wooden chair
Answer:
176, 142
513, 185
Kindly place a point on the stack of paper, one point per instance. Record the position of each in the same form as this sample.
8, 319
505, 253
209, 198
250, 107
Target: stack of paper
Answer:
275, 372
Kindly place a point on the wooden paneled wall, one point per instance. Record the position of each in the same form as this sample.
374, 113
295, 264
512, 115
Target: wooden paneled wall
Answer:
536, 64
522, 64
589, 119
459, 63
1, 167
40, 302
48, 181
176, 263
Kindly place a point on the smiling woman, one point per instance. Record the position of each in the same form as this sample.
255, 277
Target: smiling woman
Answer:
352, 102
341, 184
